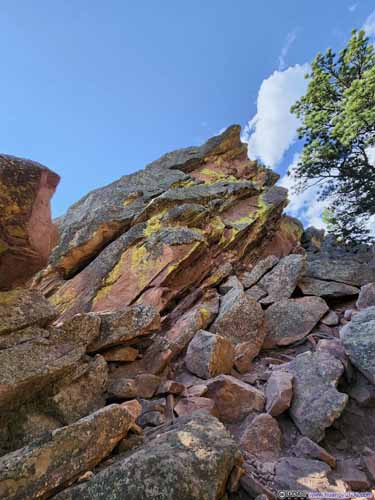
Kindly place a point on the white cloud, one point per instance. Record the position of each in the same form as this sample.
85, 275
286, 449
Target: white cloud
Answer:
369, 25
273, 129
290, 39
371, 154
305, 206
352, 7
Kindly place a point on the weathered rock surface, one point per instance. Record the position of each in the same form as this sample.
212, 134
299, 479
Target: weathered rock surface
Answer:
192, 459
309, 449
241, 320
209, 355
234, 399
262, 437
281, 281
314, 388
40, 468
366, 296
330, 319
259, 270
187, 407
358, 338
27, 233
292, 319
349, 270
328, 289
279, 392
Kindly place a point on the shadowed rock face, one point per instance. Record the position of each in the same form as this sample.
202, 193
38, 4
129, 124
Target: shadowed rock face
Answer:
152, 236
27, 233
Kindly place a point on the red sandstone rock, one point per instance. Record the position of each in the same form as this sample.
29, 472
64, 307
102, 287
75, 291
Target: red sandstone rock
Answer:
262, 437
27, 233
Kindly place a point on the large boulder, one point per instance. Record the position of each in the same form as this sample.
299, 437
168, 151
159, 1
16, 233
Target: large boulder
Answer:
347, 269
366, 296
292, 319
259, 270
191, 459
241, 320
39, 469
316, 402
328, 289
281, 281
27, 233
358, 338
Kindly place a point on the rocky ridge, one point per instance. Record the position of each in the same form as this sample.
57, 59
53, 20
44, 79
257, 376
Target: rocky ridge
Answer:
187, 339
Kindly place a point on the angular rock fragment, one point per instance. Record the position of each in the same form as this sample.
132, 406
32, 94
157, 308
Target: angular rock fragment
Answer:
142, 386
309, 449
40, 468
189, 406
279, 392
192, 459
121, 354
292, 319
234, 399
262, 437
241, 320
232, 282
366, 296
22, 308
209, 355
281, 281
358, 338
124, 325
330, 319
259, 270
327, 289
316, 402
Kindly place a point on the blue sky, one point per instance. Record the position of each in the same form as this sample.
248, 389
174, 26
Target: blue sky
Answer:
95, 90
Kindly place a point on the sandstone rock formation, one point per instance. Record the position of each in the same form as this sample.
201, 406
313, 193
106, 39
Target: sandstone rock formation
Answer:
180, 300
27, 233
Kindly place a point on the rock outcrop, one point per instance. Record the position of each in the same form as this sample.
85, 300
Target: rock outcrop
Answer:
180, 303
27, 233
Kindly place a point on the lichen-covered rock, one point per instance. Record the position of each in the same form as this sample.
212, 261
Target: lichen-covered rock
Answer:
241, 320
82, 396
234, 399
349, 270
328, 289
262, 437
292, 319
191, 459
61, 456
281, 281
22, 308
259, 270
154, 236
27, 233
279, 392
358, 338
209, 355
124, 325
366, 296
316, 402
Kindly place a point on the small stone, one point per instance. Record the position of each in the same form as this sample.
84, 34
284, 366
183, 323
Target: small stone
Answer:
234, 399
121, 354
330, 319
152, 418
130, 442
230, 283
170, 387
196, 390
348, 314
279, 392
262, 437
209, 355
188, 406
351, 474
366, 296
310, 449
142, 386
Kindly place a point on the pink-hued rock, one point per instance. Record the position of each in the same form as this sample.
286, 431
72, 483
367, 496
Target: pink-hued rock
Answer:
188, 406
234, 399
309, 449
279, 392
209, 355
366, 296
27, 233
262, 437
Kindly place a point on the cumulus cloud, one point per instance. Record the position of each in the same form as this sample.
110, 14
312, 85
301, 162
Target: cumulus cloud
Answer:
369, 25
305, 206
290, 39
273, 129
